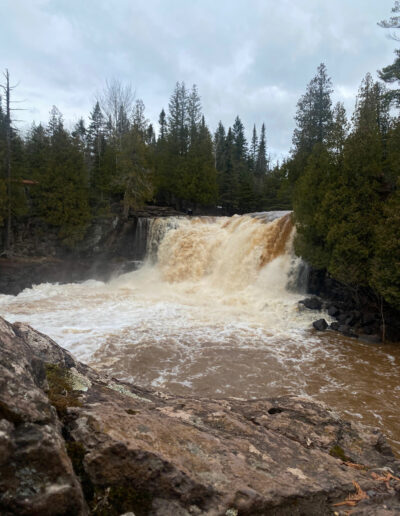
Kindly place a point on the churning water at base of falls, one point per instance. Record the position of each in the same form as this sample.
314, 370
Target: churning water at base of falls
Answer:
214, 312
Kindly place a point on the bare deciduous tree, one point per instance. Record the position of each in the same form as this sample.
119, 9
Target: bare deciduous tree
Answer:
116, 102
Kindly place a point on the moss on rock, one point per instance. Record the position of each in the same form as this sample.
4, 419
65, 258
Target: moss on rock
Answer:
61, 391
338, 452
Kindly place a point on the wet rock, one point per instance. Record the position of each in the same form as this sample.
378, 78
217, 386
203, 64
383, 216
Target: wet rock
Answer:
36, 474
320, 325
141, 452
312, 303
342, 317
371, 339
352, 318
335, 326
346, 330
357, 304
333, 311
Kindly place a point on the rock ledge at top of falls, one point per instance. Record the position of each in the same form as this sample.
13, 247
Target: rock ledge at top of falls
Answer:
74, 442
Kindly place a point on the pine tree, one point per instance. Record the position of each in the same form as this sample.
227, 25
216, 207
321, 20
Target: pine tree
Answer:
354, 198
61, 193
275, 194
314, 113
133, 174
385, 270
202, 188
139, 120
193, 113
163, 125
56, 123
239, 141
150, 136
228, 176
80, 133
177, 118
219, 147
312, 222
253, 150
339, 132
262, 164
96, 147
391, 73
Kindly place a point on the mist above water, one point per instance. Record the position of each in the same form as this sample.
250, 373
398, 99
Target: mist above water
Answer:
214, 311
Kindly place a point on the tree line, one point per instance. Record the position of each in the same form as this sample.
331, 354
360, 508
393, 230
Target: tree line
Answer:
344, 178
117, 161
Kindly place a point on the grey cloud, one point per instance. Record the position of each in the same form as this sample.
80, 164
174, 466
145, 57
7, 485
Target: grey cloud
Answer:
252, 58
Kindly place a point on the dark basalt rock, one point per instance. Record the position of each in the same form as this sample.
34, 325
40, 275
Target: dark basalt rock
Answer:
347, 331
312, 303
358, 307
333, 311
342, 317
320, 325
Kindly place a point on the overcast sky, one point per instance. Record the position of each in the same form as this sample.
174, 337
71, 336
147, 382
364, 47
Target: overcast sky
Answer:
253, 58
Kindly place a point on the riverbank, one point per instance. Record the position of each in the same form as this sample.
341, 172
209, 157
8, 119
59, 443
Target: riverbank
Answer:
358, 312
87, 443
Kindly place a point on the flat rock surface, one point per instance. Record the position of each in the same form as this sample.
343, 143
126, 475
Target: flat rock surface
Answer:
75, 442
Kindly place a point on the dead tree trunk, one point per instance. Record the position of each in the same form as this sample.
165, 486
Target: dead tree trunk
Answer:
8, 161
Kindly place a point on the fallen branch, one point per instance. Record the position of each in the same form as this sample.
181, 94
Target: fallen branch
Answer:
353, 499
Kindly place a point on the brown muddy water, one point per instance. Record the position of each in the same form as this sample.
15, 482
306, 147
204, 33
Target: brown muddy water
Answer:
214, 312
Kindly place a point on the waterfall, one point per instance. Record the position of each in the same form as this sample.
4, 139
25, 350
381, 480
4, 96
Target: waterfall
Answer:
140, 237
229, 252
213, 310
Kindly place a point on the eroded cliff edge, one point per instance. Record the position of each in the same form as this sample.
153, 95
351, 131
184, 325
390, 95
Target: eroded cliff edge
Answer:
73, 442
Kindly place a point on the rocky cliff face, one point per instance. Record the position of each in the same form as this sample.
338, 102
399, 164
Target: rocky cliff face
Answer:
112, 245
73, 442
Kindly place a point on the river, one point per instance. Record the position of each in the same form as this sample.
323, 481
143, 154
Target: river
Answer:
214, 312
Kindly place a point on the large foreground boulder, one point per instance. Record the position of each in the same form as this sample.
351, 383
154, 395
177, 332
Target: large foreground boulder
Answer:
75, 442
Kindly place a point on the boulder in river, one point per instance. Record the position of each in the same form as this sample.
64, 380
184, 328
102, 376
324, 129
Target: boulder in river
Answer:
73, 441
320, 325
312, 303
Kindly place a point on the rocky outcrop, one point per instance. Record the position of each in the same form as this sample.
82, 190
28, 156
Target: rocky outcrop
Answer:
75, 442
312, 303
112, 245
19, 273
36, 474
358, 311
